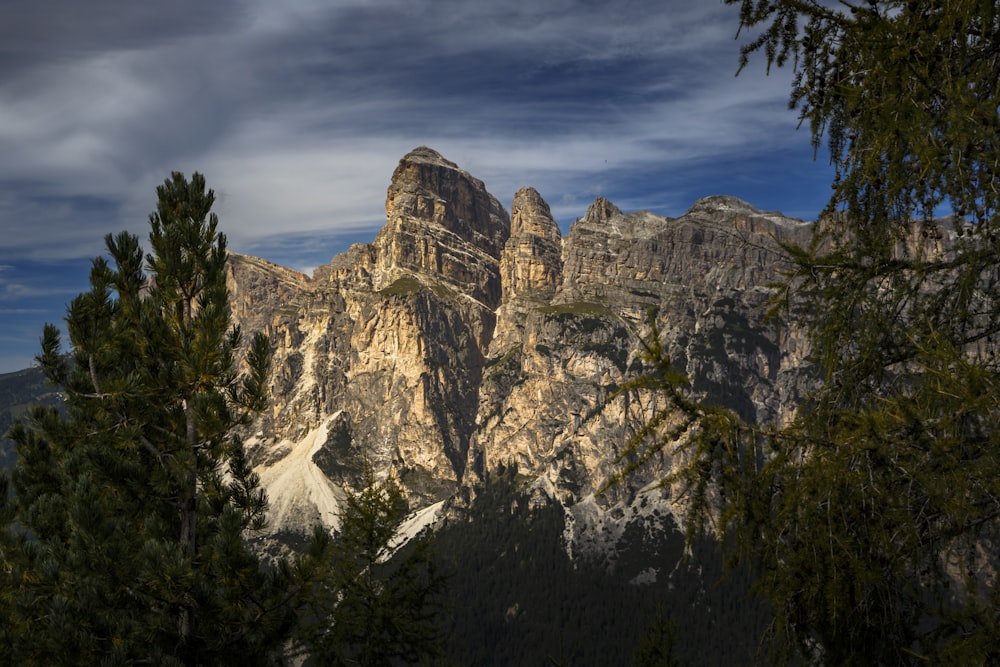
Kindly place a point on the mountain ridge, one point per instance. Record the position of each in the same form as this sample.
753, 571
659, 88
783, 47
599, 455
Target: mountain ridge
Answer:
464, 339
466, 352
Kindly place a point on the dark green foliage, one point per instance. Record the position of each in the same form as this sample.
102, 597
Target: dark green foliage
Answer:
882, 491
503, 359
374, 606
402, 287
873, 518
516, 598
131, 509
18, 392
707, 436
658, 647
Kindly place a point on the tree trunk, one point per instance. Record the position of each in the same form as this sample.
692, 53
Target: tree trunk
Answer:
188, 518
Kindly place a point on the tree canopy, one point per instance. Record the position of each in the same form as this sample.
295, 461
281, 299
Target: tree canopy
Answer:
377, 601
873, 517
878, 506
125, 538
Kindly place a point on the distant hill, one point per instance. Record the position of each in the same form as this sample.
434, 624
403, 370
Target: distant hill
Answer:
18, 392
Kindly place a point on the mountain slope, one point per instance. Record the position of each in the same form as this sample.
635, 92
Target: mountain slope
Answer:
464, 339
465, 345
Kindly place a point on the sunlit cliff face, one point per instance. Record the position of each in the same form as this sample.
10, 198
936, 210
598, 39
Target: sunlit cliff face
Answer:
463, 340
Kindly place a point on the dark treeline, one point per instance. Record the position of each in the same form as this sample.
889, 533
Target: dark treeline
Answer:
515, 597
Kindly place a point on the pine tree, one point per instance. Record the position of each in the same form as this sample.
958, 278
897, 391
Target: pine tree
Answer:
132, 506
658, 646
378, 603
887, 487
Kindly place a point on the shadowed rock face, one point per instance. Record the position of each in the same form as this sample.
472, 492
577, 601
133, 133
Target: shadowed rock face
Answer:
463, 339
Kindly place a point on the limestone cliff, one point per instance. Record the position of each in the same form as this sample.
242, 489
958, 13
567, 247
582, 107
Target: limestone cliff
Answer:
560, 347
463, 339
378, 358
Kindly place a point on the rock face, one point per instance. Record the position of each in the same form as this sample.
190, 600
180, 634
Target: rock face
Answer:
463, 339
531, 263
442, 222
558, 351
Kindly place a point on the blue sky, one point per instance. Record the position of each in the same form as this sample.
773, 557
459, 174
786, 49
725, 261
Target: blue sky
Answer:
297, 113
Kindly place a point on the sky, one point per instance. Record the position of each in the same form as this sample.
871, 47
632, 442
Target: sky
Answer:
297, 113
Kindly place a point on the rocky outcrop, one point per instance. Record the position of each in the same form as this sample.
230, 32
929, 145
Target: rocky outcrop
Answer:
555, 358
463, 339
531, 264
441, 222
378, 358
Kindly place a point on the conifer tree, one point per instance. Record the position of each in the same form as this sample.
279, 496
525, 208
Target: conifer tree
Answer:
378, 603
132, 506
658, 646
883, 498
874, 517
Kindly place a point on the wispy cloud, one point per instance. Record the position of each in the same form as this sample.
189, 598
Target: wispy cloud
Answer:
297, 113
19, 282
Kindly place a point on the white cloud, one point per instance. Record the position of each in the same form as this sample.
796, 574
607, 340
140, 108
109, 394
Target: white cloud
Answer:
298, 112
297, 115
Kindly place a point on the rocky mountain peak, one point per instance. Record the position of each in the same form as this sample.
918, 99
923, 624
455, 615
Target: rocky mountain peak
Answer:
443, 226
464, 340
721, 203
601, 211
530, 214
427, 155
744, 214
531, 265
427, 187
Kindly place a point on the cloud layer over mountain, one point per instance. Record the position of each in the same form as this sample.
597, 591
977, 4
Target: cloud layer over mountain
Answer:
297, 112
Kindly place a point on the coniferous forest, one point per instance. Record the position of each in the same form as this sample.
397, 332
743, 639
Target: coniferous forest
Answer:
515, 597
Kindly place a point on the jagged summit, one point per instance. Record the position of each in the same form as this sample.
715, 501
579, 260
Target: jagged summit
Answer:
464, 339
722, 203
427, 187
600, 211
530, 214
443, 226
726, 205
531, 265
428, 155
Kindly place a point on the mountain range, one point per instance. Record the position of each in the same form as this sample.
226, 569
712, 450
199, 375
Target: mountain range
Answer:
470, 353
465, 338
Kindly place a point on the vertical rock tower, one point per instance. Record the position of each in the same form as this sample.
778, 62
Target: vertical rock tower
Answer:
379, 357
